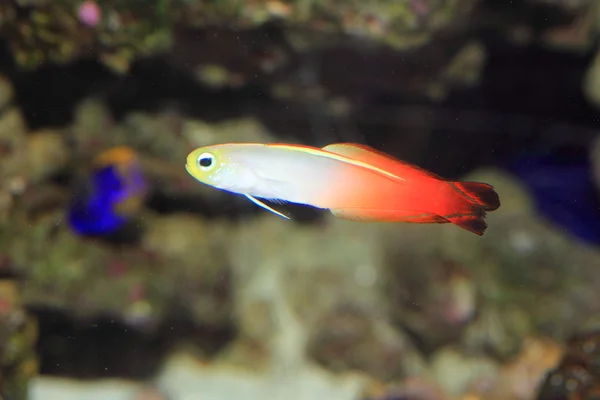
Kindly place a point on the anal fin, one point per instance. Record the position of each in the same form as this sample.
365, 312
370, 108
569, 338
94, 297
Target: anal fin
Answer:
266, 207
373, 215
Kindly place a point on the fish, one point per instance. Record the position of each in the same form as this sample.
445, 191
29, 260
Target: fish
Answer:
561, 184
116, 192
353, 181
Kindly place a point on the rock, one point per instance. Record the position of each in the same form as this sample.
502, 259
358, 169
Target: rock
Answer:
202, 274
595, 161
578, 374
53, 388
579, 34
413, 388
47, 153
180, 236
183, 377
42, 198
591, 81
470, 59
91, 121
320, 295
466, 67
13, 145
521, 378
159, 134
13, 159
356, 340
85, 277
434, 299
199, 133
150, 393
6, 92
500, 332
151, 32
181, 260
560, 274
469, 376
218, 77
18, 337
456, 372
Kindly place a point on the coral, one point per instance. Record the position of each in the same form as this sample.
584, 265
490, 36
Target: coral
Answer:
13, 150
18, 335
42, 32
578, 374
355, 340
117, 32
6, 92
201, 275
591, 81
47, 153
89, 277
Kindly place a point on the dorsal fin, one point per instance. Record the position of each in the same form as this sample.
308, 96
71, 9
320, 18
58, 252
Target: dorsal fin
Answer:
369, 155
336, 156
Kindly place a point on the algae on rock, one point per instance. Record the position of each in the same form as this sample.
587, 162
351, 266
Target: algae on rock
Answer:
42, 32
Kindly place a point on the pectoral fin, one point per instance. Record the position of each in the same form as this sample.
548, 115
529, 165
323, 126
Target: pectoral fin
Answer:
263, 205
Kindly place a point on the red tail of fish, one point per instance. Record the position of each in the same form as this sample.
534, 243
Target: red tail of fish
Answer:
416, 196
468, 203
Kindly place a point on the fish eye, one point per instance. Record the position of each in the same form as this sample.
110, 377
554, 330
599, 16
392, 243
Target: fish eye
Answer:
206, 161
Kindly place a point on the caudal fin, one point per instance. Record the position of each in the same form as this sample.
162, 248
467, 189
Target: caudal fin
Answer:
478, 193
472, 200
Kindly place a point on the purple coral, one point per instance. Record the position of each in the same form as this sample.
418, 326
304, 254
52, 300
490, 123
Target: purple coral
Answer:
89, 13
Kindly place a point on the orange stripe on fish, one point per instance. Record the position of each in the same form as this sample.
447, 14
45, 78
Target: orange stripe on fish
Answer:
353, 181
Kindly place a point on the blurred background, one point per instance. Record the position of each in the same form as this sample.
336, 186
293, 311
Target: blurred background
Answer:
121, 277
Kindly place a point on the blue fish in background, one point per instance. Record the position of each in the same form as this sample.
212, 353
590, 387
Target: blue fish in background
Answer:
116, 193
563, 190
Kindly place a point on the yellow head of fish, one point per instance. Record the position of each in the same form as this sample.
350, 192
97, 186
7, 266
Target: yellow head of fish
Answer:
211, 166
226, 166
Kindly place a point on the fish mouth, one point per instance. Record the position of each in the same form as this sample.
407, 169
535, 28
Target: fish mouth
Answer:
190, 170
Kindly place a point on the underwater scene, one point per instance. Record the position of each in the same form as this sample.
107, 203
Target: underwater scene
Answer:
299, 200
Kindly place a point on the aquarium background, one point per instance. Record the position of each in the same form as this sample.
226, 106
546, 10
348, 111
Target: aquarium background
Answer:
121, 277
